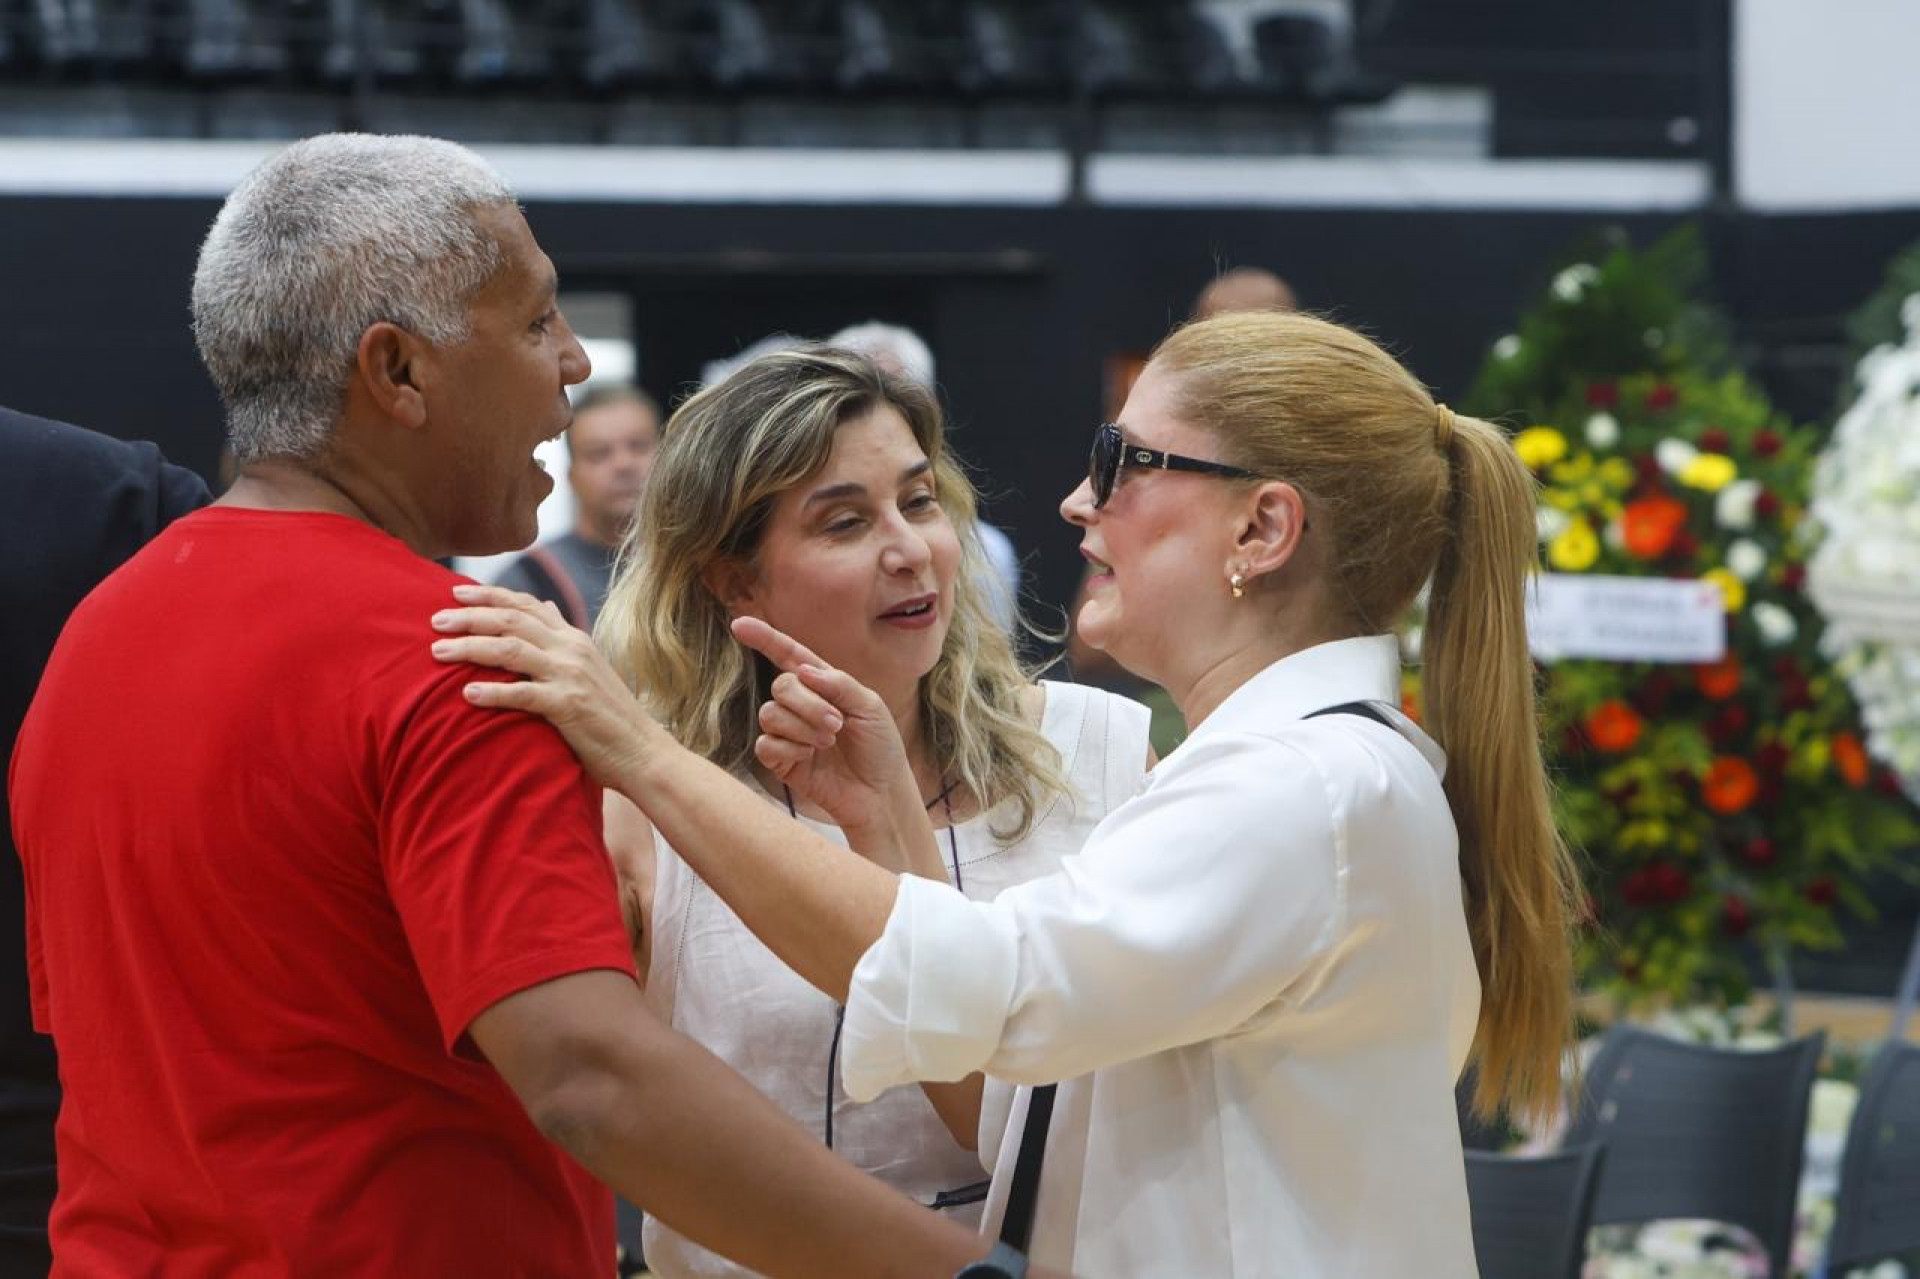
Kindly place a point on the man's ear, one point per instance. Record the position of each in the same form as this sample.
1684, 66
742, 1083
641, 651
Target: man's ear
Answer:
1270, 530
387, 364
733, 584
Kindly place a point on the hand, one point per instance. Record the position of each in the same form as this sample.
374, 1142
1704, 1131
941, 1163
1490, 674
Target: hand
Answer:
825, 734
567, 681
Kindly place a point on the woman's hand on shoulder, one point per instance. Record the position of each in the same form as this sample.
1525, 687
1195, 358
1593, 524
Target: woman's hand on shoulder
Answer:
567, 680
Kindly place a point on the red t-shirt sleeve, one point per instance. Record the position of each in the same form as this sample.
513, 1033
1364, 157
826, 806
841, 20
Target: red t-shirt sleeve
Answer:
490, 842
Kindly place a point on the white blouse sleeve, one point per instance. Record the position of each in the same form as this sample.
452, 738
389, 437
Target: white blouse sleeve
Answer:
1191, 909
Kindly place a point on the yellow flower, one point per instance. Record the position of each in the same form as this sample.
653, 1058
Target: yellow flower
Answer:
1575, 548
1618, 473
1573, 470
1592, 494
1540, 446
1709, 472
1733, 591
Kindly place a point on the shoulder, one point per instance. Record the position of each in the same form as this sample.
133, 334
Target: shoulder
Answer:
86, 492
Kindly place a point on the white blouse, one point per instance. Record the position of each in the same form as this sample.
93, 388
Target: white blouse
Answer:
717, 983
1254, 986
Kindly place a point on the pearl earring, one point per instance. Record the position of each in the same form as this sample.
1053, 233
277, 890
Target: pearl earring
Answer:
1239, 585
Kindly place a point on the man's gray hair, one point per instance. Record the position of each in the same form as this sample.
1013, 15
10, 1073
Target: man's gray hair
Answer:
332, 235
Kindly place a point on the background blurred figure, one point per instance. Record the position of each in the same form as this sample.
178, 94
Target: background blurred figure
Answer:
615, 433
900, 350
73, 506
1244, 288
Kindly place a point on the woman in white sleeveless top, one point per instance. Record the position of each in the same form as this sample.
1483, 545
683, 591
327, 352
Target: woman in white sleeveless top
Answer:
810, 490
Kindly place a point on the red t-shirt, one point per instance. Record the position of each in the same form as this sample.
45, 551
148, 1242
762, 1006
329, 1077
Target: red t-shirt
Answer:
275, 866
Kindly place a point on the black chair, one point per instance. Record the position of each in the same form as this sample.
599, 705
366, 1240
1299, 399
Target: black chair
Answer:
1877, 1210
1307, 59
1530, 1215
1010, 49
390, 41
630, 44
747, 46
1702, 1132
115, 36
230, 40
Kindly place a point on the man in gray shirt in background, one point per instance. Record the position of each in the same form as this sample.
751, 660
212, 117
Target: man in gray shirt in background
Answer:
615, 433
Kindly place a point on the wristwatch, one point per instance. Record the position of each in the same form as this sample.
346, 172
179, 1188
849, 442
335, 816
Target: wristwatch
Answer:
1004, 1262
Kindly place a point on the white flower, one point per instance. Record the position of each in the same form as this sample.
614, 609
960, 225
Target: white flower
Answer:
1602, 431
1507, 347
1674, 456
1746, 559
1775, 624
1574, 281
1614, 535
1733, 505
1550, 522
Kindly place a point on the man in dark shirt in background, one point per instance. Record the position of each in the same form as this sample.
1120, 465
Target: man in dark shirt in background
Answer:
73, 506
615, 433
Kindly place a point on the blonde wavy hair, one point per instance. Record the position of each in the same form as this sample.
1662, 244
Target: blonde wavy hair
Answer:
728, 454
1408, 493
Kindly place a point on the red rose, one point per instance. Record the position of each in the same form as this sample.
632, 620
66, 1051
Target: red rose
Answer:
1887, 782
1684, 546
1759, 852
1771, 759
1670, 883
1766, 442
1821, 891
1603, 395
1662, 397
1736, 917
1767, 505
1647, 468
1715, 440
1785, 667
1793, 577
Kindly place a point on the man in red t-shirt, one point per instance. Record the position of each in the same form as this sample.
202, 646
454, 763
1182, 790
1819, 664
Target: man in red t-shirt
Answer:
332, 958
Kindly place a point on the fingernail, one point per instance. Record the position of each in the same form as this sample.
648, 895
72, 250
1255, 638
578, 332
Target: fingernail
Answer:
472, 691
809, 669
442, 647
443, 620
835, 723
466, 592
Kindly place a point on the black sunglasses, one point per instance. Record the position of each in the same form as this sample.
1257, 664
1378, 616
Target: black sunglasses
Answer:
1111, 452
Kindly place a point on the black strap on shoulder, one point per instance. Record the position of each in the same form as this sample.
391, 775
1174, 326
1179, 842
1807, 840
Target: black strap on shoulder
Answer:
1016, 1228
1361, 709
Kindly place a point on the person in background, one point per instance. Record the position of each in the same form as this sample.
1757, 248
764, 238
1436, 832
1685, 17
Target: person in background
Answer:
811, 489
1244, 288
334, 959
610, 450
73, 506
905, 353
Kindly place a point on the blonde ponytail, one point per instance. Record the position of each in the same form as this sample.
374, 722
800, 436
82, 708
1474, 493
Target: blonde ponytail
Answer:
1478, 691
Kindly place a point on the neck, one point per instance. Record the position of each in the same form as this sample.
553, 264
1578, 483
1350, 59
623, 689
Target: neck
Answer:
908, 721
1249, 648
322, 485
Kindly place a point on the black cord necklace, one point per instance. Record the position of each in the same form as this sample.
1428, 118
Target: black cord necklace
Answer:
945, 800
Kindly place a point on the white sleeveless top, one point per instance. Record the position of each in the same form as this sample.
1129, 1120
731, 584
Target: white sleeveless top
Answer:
715, 981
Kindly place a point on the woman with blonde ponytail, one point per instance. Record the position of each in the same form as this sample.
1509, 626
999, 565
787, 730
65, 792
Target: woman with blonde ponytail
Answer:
1257, 985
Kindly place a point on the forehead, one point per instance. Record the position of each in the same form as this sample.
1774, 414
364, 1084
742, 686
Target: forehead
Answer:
615, 419
525, 271
1150, 415
879, 437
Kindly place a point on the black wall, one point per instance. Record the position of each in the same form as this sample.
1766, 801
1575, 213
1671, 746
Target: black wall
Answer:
1021, 306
